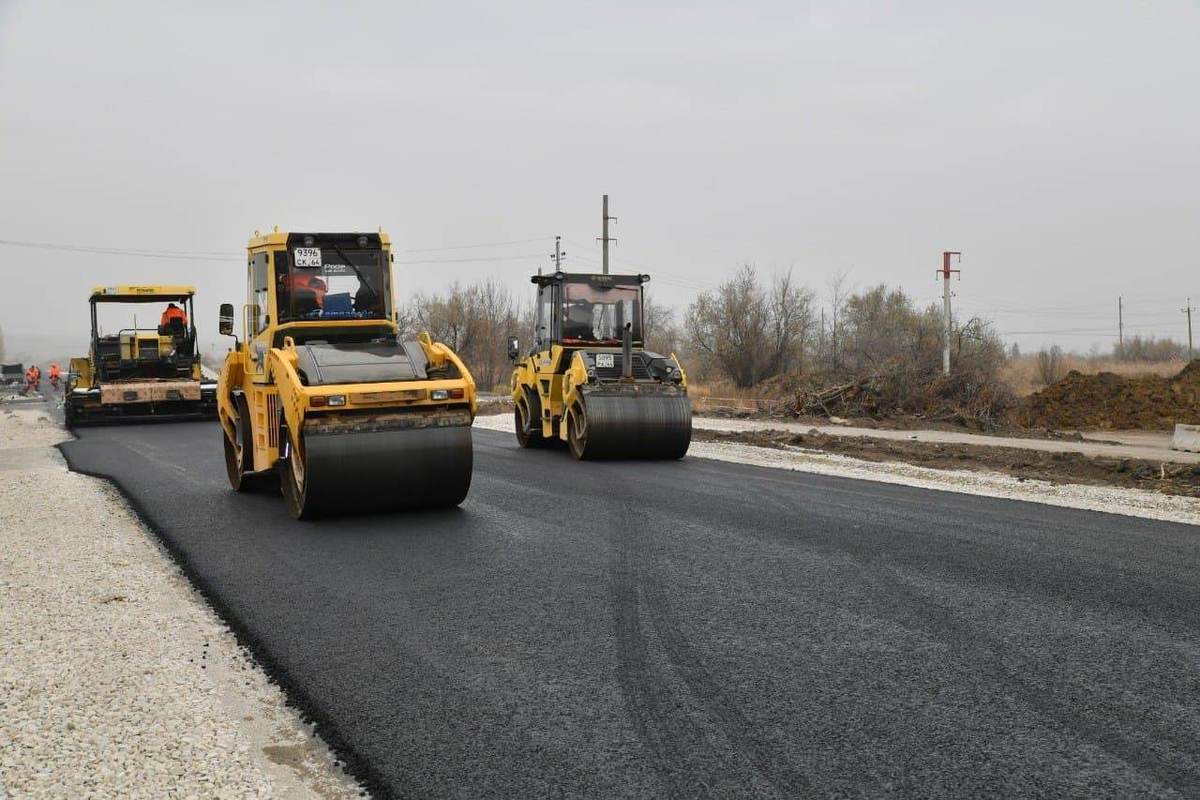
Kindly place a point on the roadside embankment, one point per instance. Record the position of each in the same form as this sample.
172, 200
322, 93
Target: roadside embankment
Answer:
116, 680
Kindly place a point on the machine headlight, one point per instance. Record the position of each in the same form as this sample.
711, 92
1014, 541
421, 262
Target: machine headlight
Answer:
439, 394
337, 399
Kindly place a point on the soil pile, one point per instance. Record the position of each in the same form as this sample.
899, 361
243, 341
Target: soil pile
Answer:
1110, 402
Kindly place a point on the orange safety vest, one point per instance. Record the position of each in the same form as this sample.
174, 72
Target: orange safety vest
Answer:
55, 371
313, 283
173, 312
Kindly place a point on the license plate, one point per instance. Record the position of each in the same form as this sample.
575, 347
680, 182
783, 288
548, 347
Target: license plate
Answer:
402, 395
308, 257
604, 360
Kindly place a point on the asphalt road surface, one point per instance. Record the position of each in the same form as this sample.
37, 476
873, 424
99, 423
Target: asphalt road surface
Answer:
701, 628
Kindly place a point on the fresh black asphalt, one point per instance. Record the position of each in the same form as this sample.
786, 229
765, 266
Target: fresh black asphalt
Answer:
700, 628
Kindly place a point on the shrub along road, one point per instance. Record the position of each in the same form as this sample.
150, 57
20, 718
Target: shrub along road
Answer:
700, 628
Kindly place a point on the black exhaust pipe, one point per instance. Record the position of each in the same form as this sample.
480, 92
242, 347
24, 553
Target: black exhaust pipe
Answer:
627, 351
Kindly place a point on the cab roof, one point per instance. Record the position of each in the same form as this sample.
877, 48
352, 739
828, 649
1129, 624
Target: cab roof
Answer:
140, 293
278, 238
589, 277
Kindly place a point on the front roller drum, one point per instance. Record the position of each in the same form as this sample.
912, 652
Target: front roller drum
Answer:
631, 426
379, 471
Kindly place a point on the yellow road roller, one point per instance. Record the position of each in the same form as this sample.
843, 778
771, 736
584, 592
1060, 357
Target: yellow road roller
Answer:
322, 397
588, 381
139, 369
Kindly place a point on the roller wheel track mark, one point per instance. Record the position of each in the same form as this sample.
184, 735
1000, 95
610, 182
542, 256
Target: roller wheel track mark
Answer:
647, 693
975, 647
741, 733
657, 720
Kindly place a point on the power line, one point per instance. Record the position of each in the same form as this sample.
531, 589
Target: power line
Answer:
187, 255
124, 251
521, 257
473, 246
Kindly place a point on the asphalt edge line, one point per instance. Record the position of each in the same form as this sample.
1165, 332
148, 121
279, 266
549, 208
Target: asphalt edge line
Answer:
933, 484
294, 695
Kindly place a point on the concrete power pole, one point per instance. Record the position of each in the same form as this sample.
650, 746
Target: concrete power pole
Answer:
1120, 327
1189, 311
604, 237
945, 273
559, 254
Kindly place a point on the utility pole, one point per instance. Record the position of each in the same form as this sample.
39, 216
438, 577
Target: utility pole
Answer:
1189, 311
1120, 327
604, 238
559, 254
945, 273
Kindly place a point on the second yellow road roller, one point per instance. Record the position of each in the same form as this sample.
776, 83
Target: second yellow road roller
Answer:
588, 380
323, 397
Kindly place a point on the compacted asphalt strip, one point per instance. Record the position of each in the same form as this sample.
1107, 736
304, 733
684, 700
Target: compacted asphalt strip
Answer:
700, 628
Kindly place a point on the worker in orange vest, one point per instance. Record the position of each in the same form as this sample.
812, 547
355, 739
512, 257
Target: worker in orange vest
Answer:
55, 374
301, 280
33, 377
171, 312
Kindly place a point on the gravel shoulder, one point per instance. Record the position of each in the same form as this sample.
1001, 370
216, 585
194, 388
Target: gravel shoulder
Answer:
1105, 444
116, 679
1112, 499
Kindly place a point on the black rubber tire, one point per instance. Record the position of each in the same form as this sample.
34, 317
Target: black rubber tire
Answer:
295, 493
235, 469
529, 432
577, 433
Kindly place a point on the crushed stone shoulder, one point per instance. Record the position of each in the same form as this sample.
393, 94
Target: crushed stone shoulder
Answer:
116, 680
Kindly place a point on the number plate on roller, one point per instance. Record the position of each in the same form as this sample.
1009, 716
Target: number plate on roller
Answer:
388, 397
308, 257
604, 359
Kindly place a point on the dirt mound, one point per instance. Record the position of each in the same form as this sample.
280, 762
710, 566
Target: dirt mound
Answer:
1106, 401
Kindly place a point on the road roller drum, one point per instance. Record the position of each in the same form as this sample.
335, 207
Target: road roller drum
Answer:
636, 426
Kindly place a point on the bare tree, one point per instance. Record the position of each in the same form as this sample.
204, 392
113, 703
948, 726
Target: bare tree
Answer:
659, 331
474, 321
1050, 365
837, 304
747, 332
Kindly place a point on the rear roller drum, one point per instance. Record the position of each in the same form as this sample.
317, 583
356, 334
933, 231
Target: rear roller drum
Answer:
630, 426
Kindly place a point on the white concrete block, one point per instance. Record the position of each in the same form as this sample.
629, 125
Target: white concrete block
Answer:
1187, 437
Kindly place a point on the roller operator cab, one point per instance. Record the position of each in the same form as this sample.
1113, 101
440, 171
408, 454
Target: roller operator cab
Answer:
143, 362
588, 380
323, 397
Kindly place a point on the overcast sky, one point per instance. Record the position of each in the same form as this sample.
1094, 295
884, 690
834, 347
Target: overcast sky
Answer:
1056, 144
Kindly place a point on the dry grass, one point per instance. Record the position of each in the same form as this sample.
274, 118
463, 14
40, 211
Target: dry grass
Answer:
1021, 374
717, 395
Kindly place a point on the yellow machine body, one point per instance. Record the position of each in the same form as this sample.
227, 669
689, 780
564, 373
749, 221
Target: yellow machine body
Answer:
590, 382
350, 416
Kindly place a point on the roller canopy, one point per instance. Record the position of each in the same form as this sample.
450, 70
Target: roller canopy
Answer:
141, 294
